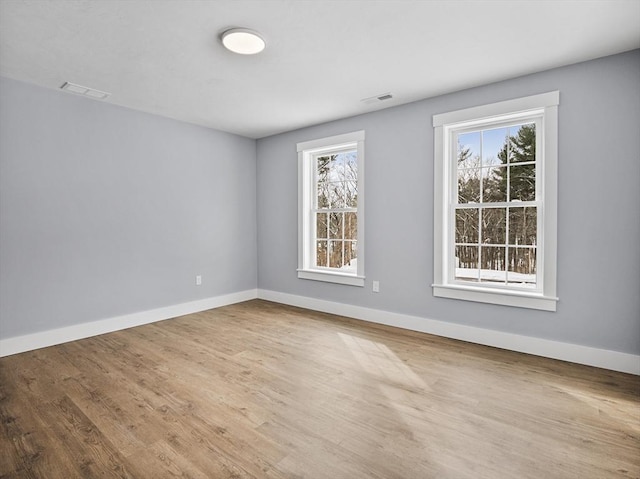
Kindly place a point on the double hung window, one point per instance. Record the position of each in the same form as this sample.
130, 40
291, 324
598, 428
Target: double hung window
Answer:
495, 204
331, 209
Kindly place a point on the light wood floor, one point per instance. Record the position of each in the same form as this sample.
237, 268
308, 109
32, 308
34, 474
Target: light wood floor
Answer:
260, 390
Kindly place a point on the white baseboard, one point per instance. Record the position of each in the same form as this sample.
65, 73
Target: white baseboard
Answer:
52, 337
601, 358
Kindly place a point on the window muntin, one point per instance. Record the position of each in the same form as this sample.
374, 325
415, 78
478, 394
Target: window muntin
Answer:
496, 205
495, 216
331, 209
336, 210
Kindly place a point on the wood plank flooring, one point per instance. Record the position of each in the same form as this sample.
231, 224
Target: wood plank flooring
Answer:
261, 390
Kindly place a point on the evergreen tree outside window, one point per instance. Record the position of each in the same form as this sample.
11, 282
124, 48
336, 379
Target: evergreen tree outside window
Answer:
496, 214
495, 203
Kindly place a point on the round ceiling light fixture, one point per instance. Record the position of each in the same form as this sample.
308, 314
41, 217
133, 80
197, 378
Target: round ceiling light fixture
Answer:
243, 41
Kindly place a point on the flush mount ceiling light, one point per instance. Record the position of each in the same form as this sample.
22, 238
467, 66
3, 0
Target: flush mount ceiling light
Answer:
243, 41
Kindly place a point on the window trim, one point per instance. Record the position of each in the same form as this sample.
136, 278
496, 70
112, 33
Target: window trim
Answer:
307, 150
546, 106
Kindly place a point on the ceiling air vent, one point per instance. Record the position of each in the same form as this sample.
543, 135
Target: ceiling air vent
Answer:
85, 91
377, 98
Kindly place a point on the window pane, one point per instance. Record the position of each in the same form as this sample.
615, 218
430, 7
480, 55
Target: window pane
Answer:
335, 225
351, 194
522, 183
338, 167
523, 226
494, 146
335, 254
523, 144
351, 166
321, 225
492, 260
337, 194
522, 267
467, 225
469, 150
323, 195
494, 184
350, 256
323, 164
351, 226
321, 253
469, 185
467, 263
494, 225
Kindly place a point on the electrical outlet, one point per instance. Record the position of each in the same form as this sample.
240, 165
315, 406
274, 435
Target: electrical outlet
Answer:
376, 287
198, 280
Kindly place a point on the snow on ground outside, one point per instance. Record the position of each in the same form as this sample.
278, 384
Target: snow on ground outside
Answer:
491, 275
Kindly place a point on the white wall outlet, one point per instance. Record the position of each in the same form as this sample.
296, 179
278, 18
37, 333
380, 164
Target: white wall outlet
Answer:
198, 280
376, 287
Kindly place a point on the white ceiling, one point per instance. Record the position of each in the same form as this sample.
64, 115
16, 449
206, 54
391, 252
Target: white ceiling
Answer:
322, 57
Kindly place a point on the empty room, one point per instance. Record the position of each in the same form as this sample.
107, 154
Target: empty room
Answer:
386, 239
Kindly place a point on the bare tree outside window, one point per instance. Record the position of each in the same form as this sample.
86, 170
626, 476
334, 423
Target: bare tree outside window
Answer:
336, 211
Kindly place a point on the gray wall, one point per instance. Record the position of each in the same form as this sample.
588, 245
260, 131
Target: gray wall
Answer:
599, 208
107, 211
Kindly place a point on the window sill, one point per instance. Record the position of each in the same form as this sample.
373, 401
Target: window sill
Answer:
331, 277
485, 295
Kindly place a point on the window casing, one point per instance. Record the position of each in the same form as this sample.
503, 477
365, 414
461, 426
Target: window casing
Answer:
495, 204
331, 209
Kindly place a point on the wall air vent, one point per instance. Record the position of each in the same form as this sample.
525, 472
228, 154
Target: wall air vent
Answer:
377, 98
85, 91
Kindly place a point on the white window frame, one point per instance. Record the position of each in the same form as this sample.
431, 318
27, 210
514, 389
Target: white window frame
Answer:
544, 109
307, 152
